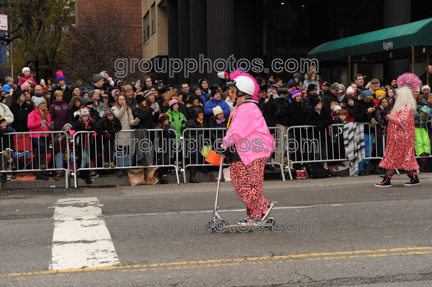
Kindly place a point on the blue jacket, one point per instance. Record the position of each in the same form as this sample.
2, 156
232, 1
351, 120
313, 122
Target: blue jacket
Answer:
204, 96
209, 105
6, 88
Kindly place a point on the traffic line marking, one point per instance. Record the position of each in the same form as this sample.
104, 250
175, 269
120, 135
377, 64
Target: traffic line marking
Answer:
239, 261
81, 238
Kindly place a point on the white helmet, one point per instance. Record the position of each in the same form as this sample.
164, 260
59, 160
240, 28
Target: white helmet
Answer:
245, 84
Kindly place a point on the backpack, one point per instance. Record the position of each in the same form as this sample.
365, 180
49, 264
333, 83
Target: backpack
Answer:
315, 170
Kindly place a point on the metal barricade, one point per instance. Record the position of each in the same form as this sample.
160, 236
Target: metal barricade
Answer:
35, 152
130, 149
194, 141
308, 144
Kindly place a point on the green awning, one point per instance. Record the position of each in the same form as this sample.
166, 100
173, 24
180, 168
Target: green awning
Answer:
404, 36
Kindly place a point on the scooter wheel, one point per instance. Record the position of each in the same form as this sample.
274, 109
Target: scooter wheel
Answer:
210, 227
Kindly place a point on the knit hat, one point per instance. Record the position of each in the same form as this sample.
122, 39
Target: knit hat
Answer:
214, 92
2, 119
335, 86
60, 76
114, 93
140, 98
379, 92
86, 101
200, 81
107, 112
25, 69
427, 96
274, 87
84, 112
425, 87
365, 94
163, 90
66, 125
350, 90
291, 84
283, 90
91, 93
25, 86
194, 88
217, 110
311, 87
426, 109
147, 94
97, 78
295, 93
37, 101
118, 83
172, 102
296, 75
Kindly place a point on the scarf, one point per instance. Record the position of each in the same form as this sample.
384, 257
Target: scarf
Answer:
218, 121
200, 121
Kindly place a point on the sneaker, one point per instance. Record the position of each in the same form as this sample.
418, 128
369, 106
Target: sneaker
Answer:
11, 177
94, 175
334, 168
112, 165
385, 182
414, 180
106, 165
60, 175
3, 177
267, 212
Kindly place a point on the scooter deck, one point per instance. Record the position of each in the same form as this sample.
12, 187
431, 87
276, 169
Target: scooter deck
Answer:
222, 227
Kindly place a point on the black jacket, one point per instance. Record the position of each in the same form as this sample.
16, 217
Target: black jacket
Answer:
105, 125
329, 97
282, 115
268, 110
298, 114
145, 117
361, 114
71, 117
20, 116
321, 120
307, 100
67, 93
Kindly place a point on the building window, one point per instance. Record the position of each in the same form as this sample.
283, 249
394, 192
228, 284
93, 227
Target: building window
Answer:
153, 18
146, 21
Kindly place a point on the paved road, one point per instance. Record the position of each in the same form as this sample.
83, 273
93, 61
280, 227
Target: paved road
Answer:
333, 232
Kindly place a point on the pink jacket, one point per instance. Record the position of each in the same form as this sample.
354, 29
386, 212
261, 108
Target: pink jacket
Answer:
24, 79
249, 131
34, 123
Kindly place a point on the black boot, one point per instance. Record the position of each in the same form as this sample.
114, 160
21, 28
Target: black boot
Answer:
86, 176
192, 178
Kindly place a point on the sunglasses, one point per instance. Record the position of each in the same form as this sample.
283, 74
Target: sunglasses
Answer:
374, 83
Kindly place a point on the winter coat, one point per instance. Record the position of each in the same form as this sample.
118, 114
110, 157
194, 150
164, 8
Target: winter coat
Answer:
88, 140
268, 110
380, 116
7, 139
61, 142
25, 79
205, 96
177, 120
34, 123
298, 114
307, 100
67, 92
210, 104
307, 82
193, 110
329, 97
124, 138
73, 115
6, 113
282, 115
99, 107
59, 112
132, 103
6, 88
145, 117
321, 120
361, 115
105, 125
21, 113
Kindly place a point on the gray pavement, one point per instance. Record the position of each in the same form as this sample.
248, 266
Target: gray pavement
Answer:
330, 232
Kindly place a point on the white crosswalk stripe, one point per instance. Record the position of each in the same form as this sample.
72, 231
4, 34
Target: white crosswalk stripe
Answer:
81, 238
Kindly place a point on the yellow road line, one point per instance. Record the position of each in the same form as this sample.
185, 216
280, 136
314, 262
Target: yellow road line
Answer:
240, 261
